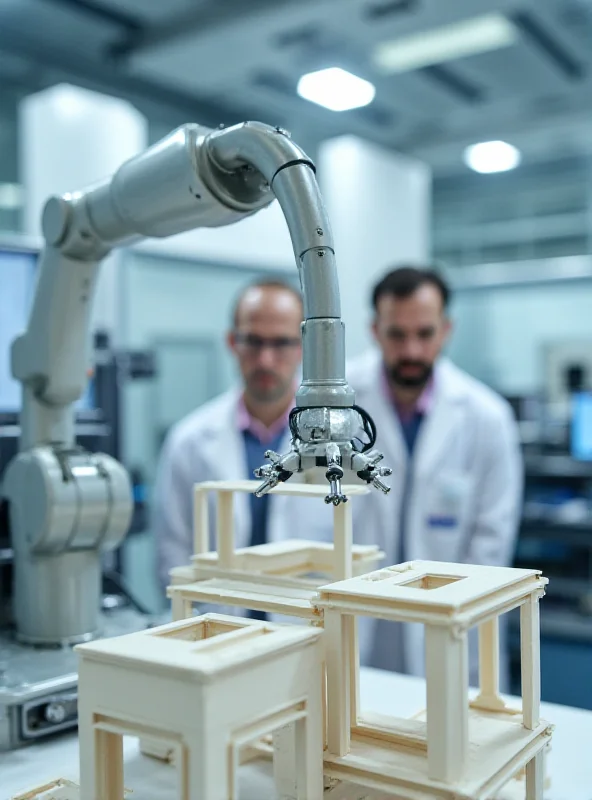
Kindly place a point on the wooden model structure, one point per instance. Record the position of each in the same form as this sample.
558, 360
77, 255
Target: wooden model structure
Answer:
459, 749
230, 681
289, 561
209, 686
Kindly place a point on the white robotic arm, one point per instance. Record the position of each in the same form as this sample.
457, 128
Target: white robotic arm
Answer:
66, 504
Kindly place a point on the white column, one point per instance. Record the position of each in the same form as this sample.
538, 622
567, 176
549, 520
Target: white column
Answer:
69, 139
379, 207
447, 684
338, 648
530, 656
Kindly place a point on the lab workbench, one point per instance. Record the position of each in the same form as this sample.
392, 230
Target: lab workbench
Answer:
569, 764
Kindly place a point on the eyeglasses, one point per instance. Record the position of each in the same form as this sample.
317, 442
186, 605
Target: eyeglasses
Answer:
253, 345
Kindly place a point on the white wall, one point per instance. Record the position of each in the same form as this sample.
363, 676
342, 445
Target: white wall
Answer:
379, 208
69, 139
500, 333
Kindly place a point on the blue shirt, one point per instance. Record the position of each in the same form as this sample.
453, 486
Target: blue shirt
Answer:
255, 452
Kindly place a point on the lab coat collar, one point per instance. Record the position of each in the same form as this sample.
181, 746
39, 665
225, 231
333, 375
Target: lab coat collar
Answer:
222, 448
443, 419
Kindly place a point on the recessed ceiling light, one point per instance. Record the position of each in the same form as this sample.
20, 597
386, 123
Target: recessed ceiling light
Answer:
465, 38
493, 156
336, 89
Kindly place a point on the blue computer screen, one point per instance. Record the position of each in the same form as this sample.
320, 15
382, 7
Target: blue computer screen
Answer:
581, 426
17, 283
17, 287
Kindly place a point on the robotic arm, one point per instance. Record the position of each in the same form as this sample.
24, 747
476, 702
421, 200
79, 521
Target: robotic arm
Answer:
196, 177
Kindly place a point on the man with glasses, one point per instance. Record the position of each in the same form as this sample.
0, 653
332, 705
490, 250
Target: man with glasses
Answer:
226, 439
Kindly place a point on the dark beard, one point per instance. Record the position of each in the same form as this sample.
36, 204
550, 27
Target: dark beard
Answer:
410, 382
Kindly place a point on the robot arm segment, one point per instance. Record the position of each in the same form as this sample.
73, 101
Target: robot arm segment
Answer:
194, 178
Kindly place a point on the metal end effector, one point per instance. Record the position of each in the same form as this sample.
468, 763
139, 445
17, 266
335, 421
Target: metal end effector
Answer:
330, 438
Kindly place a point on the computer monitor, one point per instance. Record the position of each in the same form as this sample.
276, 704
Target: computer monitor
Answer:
581, 426
17, 284
18, 273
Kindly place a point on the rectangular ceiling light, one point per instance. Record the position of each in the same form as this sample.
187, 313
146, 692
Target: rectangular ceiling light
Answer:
336, 89
465, 38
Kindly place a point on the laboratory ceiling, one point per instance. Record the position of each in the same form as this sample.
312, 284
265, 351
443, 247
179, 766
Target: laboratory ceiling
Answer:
220, 61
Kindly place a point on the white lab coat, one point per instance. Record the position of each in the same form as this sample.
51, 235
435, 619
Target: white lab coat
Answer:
466, 467
207, 446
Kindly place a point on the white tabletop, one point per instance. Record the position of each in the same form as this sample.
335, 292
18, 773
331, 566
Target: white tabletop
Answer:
569, 764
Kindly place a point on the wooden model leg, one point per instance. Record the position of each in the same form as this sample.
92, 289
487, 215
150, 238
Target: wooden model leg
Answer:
201, 522
284, 763
225, 529
108, 766
101, 753
88, 754
530, 653
309, 754
535, 777
489, 666
324, 703
180, 608
447, 682
337, 646
342, 541
208, 769
354, 668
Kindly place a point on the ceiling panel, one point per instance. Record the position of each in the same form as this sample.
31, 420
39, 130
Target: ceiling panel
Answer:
57, 25
520, 70
248, 54
152, 11
416, 94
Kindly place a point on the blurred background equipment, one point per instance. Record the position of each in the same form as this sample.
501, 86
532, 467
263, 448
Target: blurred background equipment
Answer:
474, 150
32, 684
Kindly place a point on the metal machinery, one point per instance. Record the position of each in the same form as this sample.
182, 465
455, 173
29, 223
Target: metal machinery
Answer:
66, 505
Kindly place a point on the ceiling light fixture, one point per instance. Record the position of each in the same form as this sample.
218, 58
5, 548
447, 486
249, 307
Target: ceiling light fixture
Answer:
465, 38
493, 156
336, 89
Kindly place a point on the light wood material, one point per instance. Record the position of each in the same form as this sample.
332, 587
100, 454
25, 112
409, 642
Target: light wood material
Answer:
243, 680
297, 562
489, 697
290, 488
294, 560
530, 653
447, 679
201, 522
343, 540
354, 669
416, 759
271, 599
338, 651
205, 687
225, 528
535, 777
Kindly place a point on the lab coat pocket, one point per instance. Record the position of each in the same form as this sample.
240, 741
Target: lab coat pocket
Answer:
446, 515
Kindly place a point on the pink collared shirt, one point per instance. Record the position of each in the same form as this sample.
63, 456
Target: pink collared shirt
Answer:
423, 405
246, 422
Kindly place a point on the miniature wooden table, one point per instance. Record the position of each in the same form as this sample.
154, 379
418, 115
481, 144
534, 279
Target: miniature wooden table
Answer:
461, 749
207, 687
225, 546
